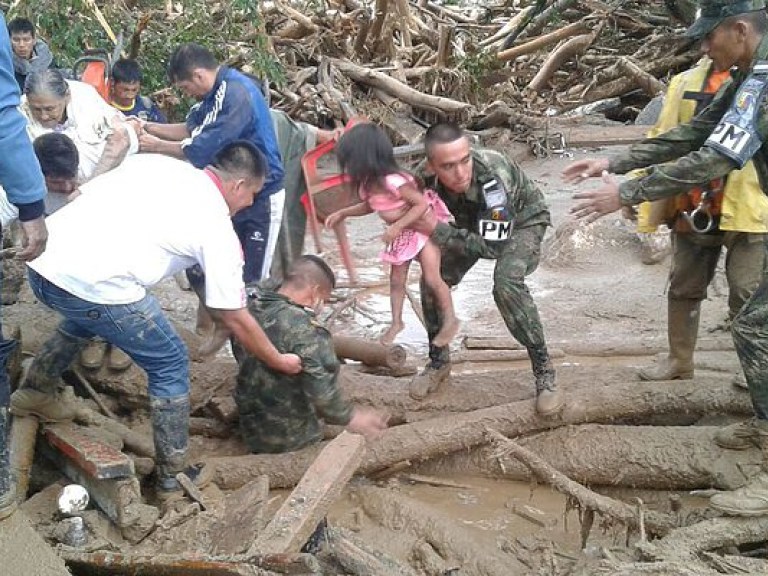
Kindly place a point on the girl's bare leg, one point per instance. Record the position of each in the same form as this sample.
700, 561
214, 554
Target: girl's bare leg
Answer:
398, 278
429, 258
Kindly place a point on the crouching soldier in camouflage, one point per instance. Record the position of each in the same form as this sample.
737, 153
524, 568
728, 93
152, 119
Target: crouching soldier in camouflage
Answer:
499, 214
280, 413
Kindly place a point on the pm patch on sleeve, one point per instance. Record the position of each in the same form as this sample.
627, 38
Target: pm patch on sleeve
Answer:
736, 135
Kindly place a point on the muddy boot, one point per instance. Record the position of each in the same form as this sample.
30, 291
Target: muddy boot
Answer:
38, 394
549, 398
170, 427
752, 499
92, 356
118, 360
743, 435
682, 328
429, 380
7, 488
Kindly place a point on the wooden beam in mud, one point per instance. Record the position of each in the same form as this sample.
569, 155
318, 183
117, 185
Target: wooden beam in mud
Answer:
318, 489
428, 439
101, 563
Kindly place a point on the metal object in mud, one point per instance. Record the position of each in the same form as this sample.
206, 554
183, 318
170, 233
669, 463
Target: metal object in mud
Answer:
73, 499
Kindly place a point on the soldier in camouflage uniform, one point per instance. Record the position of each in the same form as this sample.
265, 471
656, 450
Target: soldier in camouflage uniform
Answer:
280, 413
724, 136
499, 214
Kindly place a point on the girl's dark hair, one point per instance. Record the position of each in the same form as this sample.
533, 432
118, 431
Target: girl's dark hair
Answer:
365, 154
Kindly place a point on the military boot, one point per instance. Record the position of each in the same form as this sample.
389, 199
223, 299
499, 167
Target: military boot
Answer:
682, 328
170, 428
549, 398
742, 435
38, 395
429, 380
750, 500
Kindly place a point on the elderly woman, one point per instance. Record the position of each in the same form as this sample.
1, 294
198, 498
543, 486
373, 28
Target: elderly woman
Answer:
102, 135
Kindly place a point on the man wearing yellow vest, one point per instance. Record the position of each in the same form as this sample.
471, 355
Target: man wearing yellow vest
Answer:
726, 214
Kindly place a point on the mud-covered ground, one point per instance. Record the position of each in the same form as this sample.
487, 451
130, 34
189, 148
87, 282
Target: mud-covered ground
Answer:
591, 288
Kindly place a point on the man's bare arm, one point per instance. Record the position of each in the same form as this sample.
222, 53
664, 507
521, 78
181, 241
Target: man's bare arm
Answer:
173, 132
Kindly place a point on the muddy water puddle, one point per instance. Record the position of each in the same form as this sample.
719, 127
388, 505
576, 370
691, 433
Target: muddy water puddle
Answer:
484, 507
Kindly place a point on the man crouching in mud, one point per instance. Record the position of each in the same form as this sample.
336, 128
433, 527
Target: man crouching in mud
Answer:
728, 133
281, 412
128, 230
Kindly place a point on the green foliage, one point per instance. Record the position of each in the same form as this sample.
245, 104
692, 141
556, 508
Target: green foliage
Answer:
231, 29
476, 66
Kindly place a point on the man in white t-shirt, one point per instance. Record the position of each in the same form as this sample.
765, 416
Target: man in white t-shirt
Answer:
129, 229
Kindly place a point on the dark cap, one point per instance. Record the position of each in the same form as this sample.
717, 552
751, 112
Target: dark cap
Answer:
712, 12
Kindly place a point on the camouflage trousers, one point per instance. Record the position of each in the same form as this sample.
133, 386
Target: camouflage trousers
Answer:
694, 262
750, 335
518, 258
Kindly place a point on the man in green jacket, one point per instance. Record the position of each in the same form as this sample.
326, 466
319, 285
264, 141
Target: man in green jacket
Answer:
732, 130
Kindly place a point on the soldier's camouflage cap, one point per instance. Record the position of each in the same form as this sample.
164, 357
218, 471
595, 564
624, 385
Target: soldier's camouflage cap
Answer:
712, 12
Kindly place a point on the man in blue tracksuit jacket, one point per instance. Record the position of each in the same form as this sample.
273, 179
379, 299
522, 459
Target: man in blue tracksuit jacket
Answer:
24, 185
230, 107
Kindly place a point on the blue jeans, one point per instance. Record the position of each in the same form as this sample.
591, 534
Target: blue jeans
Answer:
140, 329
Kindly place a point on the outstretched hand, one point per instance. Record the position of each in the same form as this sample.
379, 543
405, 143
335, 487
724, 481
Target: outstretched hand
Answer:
580, 170
598, 202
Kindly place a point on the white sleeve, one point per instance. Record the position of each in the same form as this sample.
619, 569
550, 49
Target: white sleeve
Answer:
221, 259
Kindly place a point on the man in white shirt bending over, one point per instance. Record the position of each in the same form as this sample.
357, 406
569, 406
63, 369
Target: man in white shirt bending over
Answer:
131, 228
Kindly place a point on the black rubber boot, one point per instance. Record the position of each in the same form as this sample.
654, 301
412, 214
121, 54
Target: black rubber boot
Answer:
7, 488
55, 356
170, 428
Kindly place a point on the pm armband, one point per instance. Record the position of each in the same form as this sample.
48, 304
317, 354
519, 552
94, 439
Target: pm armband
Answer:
736, 136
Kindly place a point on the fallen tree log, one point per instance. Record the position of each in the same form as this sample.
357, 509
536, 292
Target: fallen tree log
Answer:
359, 559
368, 352
685, 543
439, 436
543, 41
401, 91
100, 563
403, 514
647, 82
554, 61
653, 457
589, 500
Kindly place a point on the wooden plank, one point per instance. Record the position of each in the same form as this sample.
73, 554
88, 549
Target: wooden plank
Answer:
584, 136
97, 459
227, 527
499, 355
299, 515
23, 439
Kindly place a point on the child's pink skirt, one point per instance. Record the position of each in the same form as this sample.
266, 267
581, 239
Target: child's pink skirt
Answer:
409, 243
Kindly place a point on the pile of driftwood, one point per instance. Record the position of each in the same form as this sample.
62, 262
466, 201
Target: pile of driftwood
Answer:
509, 64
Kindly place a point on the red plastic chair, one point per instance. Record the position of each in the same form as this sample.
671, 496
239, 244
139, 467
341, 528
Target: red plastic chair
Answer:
327, 191
93, 68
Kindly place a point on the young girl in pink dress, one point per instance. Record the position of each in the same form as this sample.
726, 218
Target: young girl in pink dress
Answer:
365, 154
